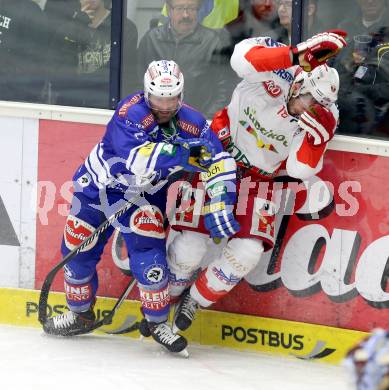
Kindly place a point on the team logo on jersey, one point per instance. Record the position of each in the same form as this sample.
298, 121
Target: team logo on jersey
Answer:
223, 133
84, 180
148, 221
76, 231
260, 143
271, 134
154, 273
272, 88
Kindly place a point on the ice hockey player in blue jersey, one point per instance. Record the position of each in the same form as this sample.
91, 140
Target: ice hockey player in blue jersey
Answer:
368, 362
151, 134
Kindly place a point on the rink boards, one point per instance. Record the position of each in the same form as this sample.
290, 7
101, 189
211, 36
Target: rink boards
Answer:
242, 332
323, 284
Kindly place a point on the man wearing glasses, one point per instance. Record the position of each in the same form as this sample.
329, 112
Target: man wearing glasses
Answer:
196, 49
183, 16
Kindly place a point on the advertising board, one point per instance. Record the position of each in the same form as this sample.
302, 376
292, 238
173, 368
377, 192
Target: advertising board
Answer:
18, 183
328, 267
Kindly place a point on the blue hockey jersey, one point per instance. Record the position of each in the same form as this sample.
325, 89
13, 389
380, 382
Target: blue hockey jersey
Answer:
135, 147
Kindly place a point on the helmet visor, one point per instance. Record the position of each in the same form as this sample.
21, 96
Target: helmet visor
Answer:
164, 104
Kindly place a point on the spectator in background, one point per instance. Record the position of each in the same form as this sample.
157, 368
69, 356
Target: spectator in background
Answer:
263, 16
60, 12
62, 53
284, 32
213, 13
271, 18
372, 19
94, 54
80, 53
23, 50
129, 75
256, 18
198, 51
364, 71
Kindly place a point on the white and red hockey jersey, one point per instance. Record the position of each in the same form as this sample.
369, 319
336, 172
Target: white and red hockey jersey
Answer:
256, 127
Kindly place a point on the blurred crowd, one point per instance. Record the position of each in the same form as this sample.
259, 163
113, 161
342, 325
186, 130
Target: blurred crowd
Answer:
58, 51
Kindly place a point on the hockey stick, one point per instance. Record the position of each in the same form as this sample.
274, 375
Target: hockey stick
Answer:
44, 295
43, 298
107, 320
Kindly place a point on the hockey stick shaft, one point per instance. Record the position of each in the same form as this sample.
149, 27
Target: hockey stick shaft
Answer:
108, 319
50, 276
43, 298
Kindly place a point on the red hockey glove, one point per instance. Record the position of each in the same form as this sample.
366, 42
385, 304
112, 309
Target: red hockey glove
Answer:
320, 124
317, 50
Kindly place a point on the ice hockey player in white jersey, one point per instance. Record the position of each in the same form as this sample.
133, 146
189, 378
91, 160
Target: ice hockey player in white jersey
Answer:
280, 118
368, 362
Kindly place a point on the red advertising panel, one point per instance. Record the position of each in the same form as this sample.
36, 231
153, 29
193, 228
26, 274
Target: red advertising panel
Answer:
328, 267
63, 147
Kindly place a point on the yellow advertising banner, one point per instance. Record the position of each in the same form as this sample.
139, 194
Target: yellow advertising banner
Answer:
242, 332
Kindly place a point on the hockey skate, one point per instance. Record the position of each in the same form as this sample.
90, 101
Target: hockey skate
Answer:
185, 313
144, 329
162, 334
70, 323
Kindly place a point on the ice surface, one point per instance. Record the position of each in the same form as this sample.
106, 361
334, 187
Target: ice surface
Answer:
30, 360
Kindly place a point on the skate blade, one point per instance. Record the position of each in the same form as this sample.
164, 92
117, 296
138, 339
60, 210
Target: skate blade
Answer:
184, 353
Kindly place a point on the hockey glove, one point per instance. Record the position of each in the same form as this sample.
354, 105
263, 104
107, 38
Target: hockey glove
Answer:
219, 218
317, 50
197, 153
320, 124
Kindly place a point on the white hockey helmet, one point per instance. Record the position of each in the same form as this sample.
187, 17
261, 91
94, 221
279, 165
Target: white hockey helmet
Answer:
322, 83
163, 79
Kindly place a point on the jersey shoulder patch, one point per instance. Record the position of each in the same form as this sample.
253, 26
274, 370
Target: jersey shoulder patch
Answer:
128, 103
190, 121
134, 110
